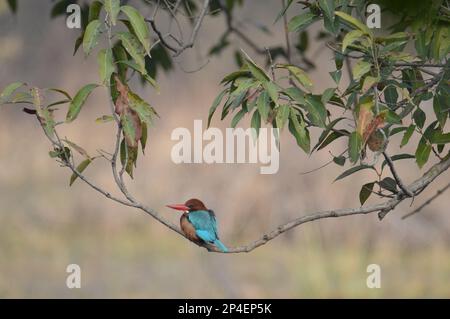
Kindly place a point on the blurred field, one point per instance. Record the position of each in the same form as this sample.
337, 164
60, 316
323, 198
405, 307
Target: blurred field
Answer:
45, 225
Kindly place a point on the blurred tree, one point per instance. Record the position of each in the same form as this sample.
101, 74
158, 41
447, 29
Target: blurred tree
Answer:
384, 97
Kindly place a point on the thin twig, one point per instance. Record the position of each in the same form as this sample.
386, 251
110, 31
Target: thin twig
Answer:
432, 198
397, 178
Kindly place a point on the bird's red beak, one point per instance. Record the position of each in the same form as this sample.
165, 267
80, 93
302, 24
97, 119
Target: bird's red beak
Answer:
179, 207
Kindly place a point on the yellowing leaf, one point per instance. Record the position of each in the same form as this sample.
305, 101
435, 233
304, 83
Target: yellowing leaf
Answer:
361, 68
355, 23
80, 168
351, 37
8, 90
369, 82
364, 117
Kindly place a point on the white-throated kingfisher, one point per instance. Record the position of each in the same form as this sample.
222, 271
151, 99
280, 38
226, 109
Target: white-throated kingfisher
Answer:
199, 223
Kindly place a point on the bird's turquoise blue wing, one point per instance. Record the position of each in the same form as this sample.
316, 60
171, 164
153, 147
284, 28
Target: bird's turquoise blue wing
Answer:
206, 235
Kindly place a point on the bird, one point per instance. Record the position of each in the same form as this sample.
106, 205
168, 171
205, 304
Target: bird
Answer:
199, 223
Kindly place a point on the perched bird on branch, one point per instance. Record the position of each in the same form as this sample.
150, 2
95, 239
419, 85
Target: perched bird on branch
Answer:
199, 223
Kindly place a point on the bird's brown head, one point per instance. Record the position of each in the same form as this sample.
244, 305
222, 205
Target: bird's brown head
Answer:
191, 205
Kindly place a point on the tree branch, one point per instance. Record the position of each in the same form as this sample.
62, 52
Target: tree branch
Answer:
418, 209
195, 30
397, 178
383, 208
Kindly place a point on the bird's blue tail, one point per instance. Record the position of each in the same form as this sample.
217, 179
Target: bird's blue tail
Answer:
221, 246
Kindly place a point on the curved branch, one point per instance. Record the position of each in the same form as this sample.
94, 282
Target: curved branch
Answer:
397, 178
383, 208
427, 202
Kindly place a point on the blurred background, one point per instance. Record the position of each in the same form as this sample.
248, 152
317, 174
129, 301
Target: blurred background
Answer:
46, 225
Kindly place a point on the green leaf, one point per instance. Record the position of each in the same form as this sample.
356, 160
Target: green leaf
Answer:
272, 90
120, 55
360, 68
94, 10
263, 105
300, 75
283, 11
336, 76
419, 117
215, 104
351, 37
339, 160
282, 115
77, 148
78, 102
354, 22
369, 82
332, 137
300, 22
327, 95
365, 192
144, 137
67, 95
80, 168
409, 132
422, 152
354, 146
316, 110
143, 73
235, 75
327, 7
90, 38
352, 170
134, 48
12, 5
239, 115
8, 90
256, 122
440, 138
106, 65
391, 96
393, 118
128, 154
298, 130
296, 95
112, 7
104, 119
389, 184
397, 130
129, 129
440, 110
139, 25
256, 71
324, 134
